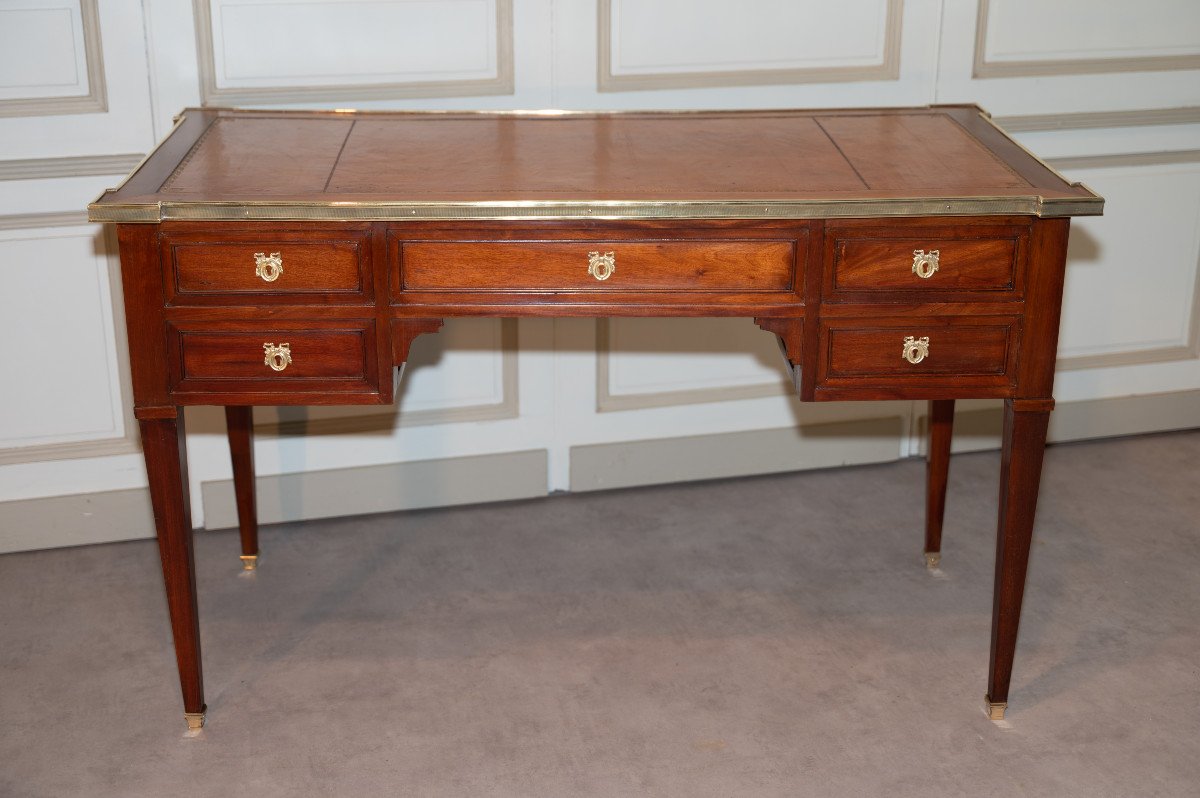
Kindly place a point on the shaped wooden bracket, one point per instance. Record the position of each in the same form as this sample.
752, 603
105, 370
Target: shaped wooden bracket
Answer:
789, 331
403, 333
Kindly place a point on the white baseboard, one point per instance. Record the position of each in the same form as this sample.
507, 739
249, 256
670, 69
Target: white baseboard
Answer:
110, 516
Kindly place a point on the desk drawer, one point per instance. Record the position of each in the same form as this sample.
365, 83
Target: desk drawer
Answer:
273, 357
747, 265
963, 263
918, 352
251, 268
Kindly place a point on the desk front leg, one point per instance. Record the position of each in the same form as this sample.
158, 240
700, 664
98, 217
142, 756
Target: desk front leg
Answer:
239, 423
937, 470
1025, 422
166, 466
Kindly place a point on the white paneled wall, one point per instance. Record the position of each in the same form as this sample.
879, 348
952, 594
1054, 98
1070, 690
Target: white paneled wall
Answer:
71, 359
746, 43
1108, 91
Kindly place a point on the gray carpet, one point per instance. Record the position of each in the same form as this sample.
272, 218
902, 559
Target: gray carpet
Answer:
771, 636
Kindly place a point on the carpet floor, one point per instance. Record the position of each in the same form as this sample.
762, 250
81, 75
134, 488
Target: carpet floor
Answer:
768, 636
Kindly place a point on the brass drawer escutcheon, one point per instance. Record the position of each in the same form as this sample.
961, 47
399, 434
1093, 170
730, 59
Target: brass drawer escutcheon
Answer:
277, 357
268, 267
915, 349
602, 265
925, 263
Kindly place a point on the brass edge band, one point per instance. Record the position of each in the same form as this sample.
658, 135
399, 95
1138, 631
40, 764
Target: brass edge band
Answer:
549, 112
482, 211
1028, 151
175, 123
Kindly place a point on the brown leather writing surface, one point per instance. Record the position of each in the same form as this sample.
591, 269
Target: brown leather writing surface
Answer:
224, 164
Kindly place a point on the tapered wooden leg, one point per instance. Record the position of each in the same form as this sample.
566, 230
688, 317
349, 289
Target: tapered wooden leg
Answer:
937, 467
1025, 424
166, 467
240, 425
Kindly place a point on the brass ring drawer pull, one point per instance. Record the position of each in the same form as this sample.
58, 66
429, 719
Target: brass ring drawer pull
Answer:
925, 263
277, 357
602, 265
268, 267
915, 349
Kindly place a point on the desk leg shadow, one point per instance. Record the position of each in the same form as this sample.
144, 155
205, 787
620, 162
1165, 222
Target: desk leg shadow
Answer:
239, 422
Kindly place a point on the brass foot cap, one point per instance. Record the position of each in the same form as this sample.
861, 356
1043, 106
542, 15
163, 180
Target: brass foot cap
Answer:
933, 559
249, 562
195, 720
995, 709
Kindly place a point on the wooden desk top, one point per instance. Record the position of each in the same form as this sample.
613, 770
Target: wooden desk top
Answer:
221, 164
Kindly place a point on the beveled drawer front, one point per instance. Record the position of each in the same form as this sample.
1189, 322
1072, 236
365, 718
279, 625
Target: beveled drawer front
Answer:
613, 265
963, 263
311, 269
233, 356
966, 351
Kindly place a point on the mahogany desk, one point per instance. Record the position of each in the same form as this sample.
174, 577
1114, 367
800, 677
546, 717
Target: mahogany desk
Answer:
290, 258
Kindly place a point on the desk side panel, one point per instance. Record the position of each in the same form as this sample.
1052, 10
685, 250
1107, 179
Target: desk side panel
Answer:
141, 279
1043, 298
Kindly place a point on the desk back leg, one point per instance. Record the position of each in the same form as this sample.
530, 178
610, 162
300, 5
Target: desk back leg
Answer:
166, 467
239, 423
937, 469
1025, 423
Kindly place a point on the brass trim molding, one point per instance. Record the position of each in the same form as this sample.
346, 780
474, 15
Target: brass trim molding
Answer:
616, 209
982, 68
211, 93
96, 100
606, 81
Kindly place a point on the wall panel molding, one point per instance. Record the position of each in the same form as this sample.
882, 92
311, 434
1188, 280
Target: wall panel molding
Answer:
984, 68
129, 441
887, 69
70, 166
1190, 348
1186, 115
213, 94
95, 101
32, 221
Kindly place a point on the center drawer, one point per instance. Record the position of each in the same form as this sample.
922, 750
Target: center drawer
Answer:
743, 265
